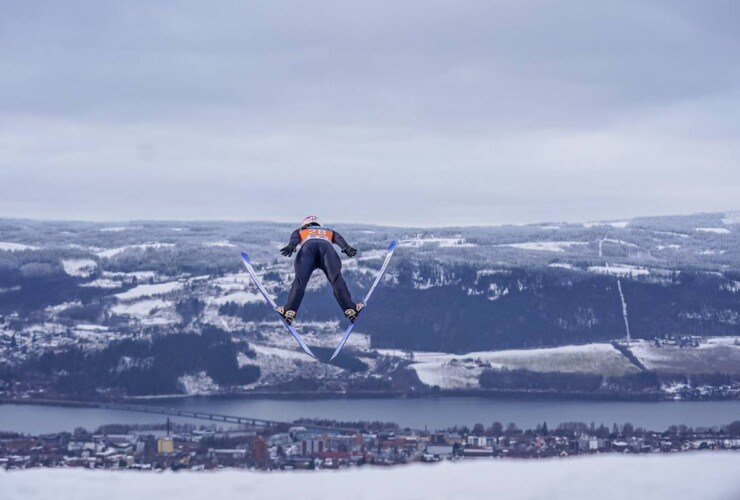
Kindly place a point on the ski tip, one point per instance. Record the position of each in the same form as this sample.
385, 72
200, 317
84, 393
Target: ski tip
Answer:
245, 257
392, 246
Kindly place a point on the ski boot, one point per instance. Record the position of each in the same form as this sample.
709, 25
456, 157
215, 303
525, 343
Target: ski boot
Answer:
288, 315
352, 314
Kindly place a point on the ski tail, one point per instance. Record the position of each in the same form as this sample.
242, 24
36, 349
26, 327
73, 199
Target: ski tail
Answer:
273, 305
380, 275
347, 332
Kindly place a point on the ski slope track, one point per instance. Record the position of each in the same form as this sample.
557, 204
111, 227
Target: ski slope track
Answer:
701, 475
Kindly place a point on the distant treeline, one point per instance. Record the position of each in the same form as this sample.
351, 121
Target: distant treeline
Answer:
146, 368
576, 429
646, 382
536, 308
526, 380
543, 308
368, 425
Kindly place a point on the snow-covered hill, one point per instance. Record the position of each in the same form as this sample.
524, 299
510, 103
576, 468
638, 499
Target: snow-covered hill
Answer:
456, 371
543, 297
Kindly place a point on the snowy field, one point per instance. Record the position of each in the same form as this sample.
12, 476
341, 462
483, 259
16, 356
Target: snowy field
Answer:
731, 218
617, 224
149, 290
223, 243
112, 252
546, 246
81, 268
623, 270
707, 476
15, 247
240, 298
462, 371
281, 365
149, 312
456, 242
718, 354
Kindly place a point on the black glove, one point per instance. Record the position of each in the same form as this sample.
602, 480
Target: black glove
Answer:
287, 250
351, 252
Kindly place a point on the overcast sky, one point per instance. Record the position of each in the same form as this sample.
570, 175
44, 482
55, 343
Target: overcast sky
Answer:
406, 113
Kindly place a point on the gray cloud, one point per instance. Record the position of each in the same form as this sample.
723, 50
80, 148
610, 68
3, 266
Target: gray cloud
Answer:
432, 112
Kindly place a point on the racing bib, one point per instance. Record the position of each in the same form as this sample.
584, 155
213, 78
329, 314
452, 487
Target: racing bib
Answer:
316, 233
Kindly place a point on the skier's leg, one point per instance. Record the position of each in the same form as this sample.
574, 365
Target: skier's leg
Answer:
331, 264
304, 265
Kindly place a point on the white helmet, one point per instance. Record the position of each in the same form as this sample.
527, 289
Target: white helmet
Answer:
311, 219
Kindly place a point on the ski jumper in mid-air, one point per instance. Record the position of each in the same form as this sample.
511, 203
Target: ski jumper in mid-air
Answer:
317, 252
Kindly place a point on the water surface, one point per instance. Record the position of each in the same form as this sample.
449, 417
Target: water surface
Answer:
430, 413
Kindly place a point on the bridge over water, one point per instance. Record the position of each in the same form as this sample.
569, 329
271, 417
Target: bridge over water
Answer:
200, 415
215, 417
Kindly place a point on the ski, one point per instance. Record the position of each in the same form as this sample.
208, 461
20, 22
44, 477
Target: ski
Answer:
388, 256
261, 288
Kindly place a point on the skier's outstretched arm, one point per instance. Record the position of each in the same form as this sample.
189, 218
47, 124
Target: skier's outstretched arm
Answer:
295, 239
346, 248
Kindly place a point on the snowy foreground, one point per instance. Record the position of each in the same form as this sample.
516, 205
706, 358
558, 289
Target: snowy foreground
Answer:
711, 475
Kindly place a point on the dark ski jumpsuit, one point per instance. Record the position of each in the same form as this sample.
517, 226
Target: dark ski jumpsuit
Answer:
317, 252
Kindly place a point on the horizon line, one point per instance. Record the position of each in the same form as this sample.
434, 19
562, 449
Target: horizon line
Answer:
274, 221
